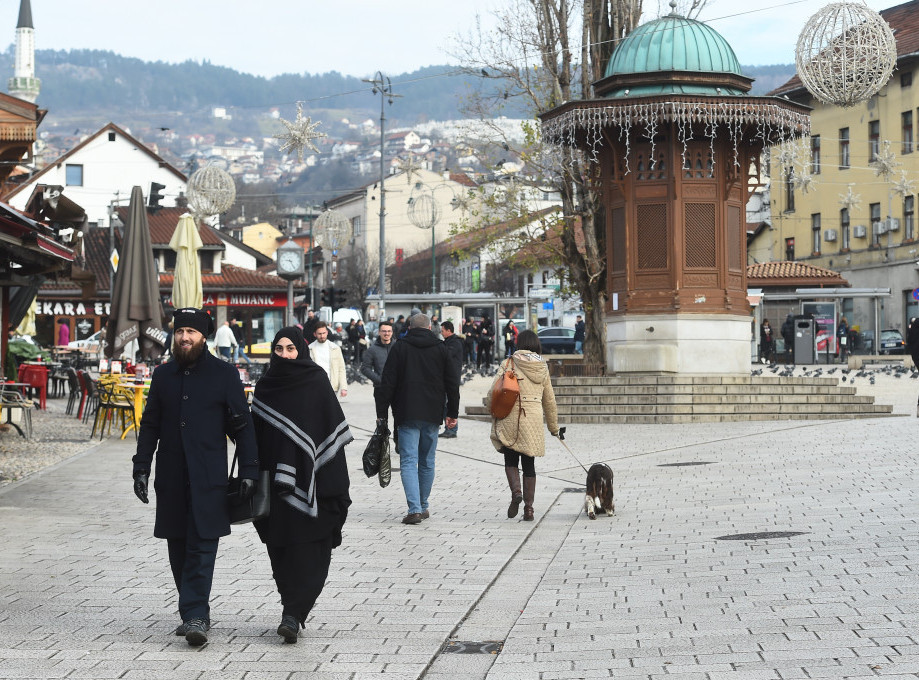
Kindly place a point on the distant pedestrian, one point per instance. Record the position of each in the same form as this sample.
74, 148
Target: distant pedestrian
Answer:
842, 339
454, 346
912, 346
510, 338
309, 328
788, 335
486, 342
766, 342
301, 433
579, 335
63, 334
195, 400
225, 341
328, 355
418, 376
469, 337
239, 351
519, 436
398, 326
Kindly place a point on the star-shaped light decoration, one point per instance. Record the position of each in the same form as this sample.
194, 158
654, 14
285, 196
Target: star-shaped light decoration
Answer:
787, 154
803, 180
904, 186
462, 202
885, 162
411, 167
850, 200
300, 134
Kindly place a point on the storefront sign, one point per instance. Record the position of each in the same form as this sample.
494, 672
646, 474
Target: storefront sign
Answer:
240, 300
70, 308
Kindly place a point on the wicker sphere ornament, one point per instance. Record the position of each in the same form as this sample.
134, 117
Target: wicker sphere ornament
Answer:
845, 54
211, 191
423, 210
332, 230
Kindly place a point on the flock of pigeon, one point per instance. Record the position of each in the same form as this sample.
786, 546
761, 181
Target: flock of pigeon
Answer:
847, 374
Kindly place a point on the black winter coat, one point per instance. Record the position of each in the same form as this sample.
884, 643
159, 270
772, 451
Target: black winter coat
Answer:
417, 376
184, 423
454, 345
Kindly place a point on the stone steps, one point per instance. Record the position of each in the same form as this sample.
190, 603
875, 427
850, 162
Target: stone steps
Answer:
686, 399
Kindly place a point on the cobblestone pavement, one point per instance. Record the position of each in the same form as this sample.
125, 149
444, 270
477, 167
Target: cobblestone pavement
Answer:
651, 592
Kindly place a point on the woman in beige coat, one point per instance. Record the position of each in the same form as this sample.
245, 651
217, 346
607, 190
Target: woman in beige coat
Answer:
520, 436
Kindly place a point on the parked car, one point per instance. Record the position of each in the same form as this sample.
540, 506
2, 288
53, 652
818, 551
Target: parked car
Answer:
93, 343
891, 342
556, 340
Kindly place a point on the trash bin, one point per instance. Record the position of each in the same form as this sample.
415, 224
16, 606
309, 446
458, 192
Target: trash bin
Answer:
805, 339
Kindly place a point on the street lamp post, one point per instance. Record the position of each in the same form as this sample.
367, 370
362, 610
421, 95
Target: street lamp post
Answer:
383, 85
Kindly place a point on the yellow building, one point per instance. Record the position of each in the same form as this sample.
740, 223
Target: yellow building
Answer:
830, 203
263, 237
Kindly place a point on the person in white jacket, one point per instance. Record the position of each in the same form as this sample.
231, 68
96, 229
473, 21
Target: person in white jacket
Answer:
328, 355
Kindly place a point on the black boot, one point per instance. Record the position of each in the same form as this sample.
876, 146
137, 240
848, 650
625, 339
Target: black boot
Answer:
289, 628
529, 492
513, 481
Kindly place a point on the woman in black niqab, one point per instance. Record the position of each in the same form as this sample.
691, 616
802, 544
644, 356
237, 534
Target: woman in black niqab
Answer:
301, 433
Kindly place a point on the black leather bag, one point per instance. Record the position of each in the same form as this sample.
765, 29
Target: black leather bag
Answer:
257, 507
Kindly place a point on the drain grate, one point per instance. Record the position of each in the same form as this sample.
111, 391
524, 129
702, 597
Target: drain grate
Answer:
688, 463
760, 535
469, 647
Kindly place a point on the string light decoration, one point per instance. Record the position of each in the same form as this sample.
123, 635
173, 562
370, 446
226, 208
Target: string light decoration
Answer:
210, 191
410, 167
423, 210
583, 123
300, 134
850, 200
332, 230
885, 162
803, 180
845, 54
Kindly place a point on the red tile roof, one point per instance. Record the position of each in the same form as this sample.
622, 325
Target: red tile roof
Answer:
903, 19
232, 278
163, 224
787, 274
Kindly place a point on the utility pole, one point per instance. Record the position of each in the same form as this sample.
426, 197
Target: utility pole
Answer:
383, 86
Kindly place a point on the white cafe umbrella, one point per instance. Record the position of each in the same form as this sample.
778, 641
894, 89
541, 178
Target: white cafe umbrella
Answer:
186, 281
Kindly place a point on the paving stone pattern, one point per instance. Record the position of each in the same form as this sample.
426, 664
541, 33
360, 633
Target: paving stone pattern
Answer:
85, 591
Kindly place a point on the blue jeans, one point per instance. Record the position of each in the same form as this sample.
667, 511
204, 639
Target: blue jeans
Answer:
578, 346
240, 353
417, 444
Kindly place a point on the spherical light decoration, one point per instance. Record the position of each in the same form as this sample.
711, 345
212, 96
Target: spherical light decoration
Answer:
210, 191
845, 54
423, 210
332, 230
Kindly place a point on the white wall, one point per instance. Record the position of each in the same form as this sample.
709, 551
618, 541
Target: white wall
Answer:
108, 167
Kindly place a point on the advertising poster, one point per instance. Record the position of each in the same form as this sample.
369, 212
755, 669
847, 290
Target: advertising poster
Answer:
824, 314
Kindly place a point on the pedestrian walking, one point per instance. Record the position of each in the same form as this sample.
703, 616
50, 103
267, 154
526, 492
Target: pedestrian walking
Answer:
239, 351
766, 342
842, 339
454, 346
486, 342
788, 335
194, 401
519, 436
329, 357
469, 337
510, 338
580, 332
912, 346
309, 328
225, 342
301, 433
376, 355
418, 376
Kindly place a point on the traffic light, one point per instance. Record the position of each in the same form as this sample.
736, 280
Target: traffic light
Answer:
325, 297
156, 195
341, 295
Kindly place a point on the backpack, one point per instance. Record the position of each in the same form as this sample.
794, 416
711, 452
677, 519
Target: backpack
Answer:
505, 393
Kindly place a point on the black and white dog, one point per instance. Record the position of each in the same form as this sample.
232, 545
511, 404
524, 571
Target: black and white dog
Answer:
599, 490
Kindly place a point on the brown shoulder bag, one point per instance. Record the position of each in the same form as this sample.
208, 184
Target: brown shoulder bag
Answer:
505, 393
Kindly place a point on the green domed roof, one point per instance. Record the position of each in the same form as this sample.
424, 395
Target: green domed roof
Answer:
672, 44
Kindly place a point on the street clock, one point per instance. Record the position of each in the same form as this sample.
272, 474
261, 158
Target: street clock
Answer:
290, 261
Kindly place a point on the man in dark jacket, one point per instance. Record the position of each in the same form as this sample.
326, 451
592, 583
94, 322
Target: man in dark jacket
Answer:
309, 328
376, 355
418, 376
579, 335
788, 335
195, 400
454, 345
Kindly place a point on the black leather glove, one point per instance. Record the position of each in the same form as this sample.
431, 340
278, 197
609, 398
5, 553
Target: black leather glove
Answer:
561, 433
247, 488
140, 486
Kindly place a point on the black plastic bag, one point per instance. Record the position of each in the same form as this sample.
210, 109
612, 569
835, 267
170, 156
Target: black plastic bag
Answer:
373, 453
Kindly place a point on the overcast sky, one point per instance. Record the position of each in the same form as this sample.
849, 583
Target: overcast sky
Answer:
354, 37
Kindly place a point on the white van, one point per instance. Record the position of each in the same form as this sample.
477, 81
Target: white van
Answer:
342, 315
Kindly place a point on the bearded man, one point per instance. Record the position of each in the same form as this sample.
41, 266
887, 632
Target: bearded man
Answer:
195, 401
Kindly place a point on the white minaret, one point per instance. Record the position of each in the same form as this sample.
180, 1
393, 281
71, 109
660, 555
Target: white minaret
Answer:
24, 84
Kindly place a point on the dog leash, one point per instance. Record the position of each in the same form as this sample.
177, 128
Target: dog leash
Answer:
561, 439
